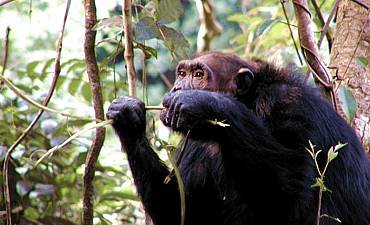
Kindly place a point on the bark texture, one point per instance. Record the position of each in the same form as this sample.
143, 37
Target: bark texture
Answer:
129, 52
352, 39
94, 80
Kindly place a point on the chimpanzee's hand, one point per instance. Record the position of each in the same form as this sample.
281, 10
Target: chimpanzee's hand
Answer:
185, 109
128, 115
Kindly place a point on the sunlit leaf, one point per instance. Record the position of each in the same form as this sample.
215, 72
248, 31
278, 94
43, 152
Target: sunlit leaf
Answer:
31, 213
332, 154
74, 85
266, 26
176, 42
348, 103
115, 21
239, 18
362, 61
86, 92
169, 11
46, 67
119, 196
149, 51
31, 69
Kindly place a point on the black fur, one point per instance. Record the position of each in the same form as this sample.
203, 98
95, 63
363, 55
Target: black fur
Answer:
256, 171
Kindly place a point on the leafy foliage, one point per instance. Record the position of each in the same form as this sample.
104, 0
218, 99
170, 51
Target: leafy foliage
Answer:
52, 191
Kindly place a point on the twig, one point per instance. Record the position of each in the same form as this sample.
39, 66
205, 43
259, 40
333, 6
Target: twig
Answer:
114, 65
74, 136
175, 171
7, 197
326, 26
129, 53
94, 80
20, 94
37, 117
323, 24
4, 2
6, 51
144, 78
165, 81
179, 159
154, 107
209, 27
290, 31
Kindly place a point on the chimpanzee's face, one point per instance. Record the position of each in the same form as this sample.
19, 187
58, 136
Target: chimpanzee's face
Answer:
212, 71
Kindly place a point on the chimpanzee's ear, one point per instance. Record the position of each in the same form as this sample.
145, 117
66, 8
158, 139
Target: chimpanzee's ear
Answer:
244, 80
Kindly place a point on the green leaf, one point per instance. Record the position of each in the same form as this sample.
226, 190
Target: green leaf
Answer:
119, 196
362, 61
266, 26
107, 60
339, 146
169, 11
46, 66
145, 29
115, 21
175, 42
74, 85
318, 183
69, 62
79, 64
147, 50
86, 92
239, 18
348, 103
31, 213
332, 154
31, 69
60, 82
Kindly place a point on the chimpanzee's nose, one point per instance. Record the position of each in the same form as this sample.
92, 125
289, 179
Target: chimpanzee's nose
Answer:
175, 88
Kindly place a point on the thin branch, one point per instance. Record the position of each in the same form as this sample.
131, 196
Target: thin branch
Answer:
20, 94
166, 81
7, 197
323, 24
144, 80
6, 51
4, 2
94, 80
36, 119
81, 132
290, 31
119, 44
209, 27
311, 51
74, 136
325, 28
129, 53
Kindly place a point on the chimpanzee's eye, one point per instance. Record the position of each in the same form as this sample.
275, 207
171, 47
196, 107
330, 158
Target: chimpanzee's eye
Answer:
181, 73
199, 73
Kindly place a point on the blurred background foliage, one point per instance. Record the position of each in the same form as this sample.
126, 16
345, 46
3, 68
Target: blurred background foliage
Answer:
165, 31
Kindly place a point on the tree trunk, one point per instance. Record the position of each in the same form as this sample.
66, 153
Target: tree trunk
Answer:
352, 40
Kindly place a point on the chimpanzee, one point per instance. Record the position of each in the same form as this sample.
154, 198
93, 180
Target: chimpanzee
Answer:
256, 171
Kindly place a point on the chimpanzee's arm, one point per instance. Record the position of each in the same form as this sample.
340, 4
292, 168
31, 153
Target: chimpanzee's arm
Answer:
161, 201
246, 144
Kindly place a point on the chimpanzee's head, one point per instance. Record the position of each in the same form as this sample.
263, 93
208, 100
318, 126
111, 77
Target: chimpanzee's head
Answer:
215, 71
